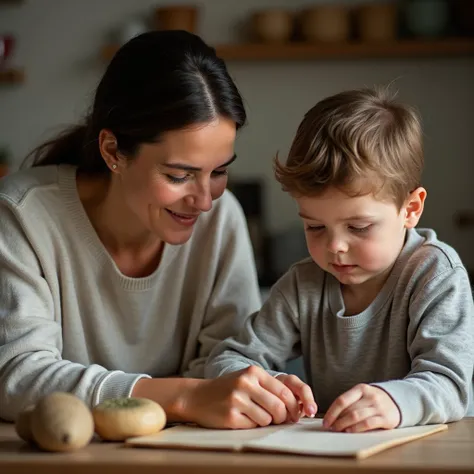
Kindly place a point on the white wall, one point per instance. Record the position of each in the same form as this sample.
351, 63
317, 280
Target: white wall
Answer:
59, 42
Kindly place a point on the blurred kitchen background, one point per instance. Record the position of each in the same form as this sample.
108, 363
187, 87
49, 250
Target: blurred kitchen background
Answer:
284, 55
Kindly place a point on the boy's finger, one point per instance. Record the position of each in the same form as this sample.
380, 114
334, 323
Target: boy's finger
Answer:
349, 418
340, 404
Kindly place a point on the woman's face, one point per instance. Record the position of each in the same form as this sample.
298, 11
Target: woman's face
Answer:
169, 184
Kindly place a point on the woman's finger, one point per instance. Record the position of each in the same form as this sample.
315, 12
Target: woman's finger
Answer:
283, 393
273, 399
304, 393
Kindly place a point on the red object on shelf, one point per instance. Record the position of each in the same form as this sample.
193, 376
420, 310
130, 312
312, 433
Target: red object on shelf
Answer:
7, 42
3, 170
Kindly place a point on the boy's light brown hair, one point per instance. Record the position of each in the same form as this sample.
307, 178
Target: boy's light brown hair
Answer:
360, 141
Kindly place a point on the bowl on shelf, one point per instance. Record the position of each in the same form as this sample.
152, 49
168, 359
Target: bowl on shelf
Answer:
426, 18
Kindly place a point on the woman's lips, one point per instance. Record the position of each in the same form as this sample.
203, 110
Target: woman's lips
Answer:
183, 219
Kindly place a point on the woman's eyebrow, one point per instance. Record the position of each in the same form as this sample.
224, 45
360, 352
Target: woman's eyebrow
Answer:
184, 167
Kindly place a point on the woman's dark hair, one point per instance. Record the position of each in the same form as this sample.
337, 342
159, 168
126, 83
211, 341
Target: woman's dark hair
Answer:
157, 82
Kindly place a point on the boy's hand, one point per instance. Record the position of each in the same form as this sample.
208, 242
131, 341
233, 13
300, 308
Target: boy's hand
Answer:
243, 399
362, 408
302, 392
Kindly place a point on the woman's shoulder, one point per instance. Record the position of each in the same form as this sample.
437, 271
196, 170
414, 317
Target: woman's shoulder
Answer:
18, 186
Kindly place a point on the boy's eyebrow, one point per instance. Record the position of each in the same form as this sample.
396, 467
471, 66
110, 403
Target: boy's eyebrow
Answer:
184, 167
351, 218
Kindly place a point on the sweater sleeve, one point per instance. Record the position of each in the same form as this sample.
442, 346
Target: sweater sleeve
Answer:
441, 348
235, 294
31, 363
269, 338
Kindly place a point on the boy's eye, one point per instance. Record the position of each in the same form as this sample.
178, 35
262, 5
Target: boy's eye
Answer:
314, 228
360, 230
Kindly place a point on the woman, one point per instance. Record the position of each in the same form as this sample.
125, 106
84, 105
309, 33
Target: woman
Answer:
118, 274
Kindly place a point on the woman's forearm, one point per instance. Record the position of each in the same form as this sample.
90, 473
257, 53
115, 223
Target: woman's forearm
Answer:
171, 393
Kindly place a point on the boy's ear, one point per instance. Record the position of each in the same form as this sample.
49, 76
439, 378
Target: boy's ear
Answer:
413, 207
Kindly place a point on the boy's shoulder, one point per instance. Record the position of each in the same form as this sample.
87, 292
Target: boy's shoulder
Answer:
426, 258
302, 277
430, 252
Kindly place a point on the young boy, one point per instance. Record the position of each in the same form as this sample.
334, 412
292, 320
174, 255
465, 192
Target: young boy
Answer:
382, 313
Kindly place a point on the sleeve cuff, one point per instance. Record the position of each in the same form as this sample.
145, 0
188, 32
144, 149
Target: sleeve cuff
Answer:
407, 399
117, 384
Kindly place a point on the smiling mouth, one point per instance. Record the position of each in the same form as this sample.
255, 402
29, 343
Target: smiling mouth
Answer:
186, 219
183, 216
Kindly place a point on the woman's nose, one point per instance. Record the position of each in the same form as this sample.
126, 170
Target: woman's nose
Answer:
201, 198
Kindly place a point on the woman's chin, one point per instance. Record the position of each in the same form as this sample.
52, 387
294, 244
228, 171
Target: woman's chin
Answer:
177, 238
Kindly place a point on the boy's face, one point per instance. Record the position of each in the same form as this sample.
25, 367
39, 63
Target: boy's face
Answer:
357, 239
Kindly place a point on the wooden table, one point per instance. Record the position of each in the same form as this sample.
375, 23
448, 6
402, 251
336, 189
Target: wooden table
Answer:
450, 452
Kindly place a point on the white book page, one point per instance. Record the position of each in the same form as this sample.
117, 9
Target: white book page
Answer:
306, 437
310, 438
194, 437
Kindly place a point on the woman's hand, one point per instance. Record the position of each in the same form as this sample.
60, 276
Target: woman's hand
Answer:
241, 400
303, 393
362, 408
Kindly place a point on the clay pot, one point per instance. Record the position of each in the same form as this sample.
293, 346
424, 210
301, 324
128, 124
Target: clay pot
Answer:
179, 17
326, 23
272, 26
377, 22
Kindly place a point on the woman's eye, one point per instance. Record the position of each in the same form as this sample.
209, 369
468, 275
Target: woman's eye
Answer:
360, 230
177, 179
218, 173
314, 228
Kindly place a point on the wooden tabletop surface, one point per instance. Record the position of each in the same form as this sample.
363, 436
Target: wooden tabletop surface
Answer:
451, 451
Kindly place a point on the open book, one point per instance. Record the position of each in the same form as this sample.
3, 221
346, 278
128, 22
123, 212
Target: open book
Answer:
305, 437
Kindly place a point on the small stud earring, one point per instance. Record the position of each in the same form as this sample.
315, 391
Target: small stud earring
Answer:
114, 167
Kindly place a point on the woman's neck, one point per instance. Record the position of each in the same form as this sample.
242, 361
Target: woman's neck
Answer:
135, 250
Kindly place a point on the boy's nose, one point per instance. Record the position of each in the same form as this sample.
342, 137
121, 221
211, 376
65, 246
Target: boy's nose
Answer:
336, 245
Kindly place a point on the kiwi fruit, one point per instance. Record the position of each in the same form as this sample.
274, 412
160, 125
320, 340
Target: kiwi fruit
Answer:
117, 419
61, 422
23, 424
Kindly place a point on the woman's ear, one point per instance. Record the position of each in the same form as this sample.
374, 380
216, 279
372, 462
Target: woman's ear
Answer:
414, 206
108, 149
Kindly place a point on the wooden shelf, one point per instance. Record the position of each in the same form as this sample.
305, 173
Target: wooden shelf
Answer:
11, 76
356, 50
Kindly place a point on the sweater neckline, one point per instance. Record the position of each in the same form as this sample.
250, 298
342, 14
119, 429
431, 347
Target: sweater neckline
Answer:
68, 187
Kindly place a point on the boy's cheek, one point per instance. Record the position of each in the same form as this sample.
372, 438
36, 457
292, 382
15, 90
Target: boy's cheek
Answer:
374, 257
